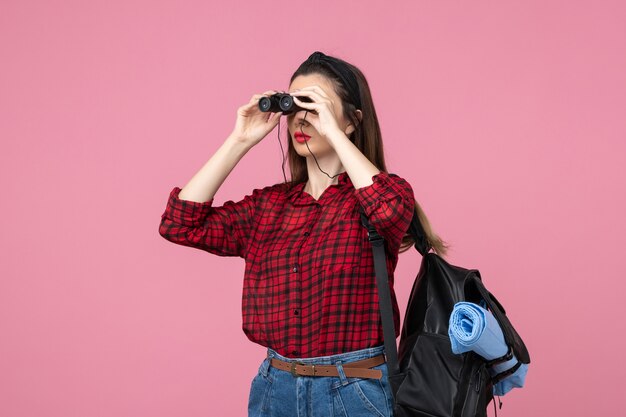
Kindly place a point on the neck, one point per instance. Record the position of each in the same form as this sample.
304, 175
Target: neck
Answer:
319, 181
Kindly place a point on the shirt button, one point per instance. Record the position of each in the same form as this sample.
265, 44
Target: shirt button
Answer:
306, 233
296, 312
294, 352
295, 269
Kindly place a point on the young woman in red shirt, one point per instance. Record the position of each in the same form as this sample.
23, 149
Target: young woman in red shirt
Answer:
309, 292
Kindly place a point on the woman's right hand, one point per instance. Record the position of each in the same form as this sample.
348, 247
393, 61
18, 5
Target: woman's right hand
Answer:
252, 124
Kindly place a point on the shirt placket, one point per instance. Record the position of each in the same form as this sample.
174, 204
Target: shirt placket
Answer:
298, 277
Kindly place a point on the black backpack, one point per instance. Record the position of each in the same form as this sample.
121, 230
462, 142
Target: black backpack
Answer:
426, 377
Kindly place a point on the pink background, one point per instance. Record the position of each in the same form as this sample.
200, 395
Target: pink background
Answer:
508, 118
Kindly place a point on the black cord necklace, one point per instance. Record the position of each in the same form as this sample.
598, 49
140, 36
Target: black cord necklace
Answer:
307, 145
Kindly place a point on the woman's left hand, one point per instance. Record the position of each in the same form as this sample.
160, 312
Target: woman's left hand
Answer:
325, 122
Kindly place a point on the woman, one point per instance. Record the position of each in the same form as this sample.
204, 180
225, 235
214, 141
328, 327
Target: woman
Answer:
309, 291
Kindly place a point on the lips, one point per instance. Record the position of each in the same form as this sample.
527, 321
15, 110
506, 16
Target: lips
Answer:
300, 137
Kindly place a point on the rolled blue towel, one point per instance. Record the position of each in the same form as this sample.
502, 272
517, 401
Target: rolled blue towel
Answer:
472, 327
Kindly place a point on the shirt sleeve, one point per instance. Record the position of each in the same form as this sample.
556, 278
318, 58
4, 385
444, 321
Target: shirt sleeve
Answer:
389, 204
223, 231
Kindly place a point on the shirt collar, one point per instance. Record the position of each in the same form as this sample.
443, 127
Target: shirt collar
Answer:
296, 192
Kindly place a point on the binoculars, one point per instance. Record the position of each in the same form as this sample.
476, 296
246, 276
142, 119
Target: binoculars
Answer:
281, 102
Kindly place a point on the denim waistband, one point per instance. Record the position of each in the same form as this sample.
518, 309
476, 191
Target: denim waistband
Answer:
355, 355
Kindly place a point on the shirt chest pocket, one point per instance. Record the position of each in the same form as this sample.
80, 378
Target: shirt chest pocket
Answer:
340, 245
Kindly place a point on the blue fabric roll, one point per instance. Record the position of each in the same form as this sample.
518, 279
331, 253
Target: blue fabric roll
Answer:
472, 327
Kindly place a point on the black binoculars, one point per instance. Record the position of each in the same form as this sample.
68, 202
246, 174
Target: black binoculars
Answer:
282, 102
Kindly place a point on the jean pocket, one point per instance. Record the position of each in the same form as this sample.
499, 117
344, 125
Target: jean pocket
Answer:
260, 389
362, 396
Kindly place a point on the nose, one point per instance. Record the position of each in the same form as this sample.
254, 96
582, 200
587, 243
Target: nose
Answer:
299, 118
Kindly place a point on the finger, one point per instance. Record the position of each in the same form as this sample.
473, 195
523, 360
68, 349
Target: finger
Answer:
308, 93
305, 105
275, 118
317, 99
257, 97
265, 94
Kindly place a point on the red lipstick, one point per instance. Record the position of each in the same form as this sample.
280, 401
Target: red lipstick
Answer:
300, 137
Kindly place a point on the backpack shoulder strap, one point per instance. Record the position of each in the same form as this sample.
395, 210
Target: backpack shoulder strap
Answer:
384, 295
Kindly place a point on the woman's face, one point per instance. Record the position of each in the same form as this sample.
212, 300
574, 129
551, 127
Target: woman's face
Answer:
296, 121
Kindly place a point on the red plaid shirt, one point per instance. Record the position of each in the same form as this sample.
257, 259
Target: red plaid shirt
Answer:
309, 286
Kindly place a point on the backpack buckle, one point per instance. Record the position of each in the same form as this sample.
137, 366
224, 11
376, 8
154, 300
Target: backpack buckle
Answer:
373, 235
504, 358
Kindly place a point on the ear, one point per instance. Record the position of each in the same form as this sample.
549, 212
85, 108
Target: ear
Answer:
359, 115
350, 128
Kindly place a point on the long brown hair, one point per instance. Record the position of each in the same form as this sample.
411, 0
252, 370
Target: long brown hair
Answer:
366, 136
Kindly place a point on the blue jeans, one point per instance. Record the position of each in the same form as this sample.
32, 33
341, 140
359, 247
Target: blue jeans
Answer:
278, 393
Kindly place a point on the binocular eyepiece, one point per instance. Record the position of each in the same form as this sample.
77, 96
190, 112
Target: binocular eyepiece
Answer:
284, 103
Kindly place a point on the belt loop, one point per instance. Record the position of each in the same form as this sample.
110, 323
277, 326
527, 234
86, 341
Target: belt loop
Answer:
264, 368
342, 375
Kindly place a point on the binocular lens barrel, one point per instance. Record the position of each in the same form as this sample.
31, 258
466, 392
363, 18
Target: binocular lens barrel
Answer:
280, 102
